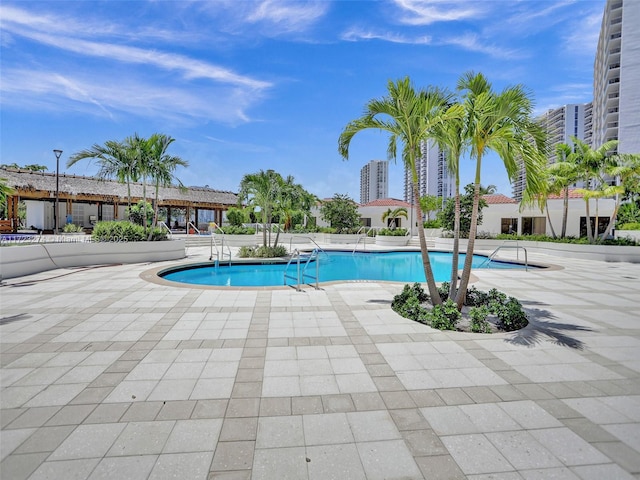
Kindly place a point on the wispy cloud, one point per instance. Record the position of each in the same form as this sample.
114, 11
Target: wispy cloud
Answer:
288, 16
563, 94
32, 89
191, 88
475, 43
582, 36
426, 12
356, 34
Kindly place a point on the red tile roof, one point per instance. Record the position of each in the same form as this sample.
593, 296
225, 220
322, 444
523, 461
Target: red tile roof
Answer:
572, 194
387, 202
498, 198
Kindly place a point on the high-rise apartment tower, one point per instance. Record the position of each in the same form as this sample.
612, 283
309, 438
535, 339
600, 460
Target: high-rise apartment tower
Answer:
572, 120
616, 77
374, 181
433, 175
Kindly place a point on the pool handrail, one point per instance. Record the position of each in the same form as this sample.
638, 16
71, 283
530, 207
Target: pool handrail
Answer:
516, 247
162, 225
318, 247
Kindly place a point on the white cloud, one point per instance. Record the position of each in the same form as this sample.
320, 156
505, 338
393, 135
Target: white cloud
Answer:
426, 12
356, 34
288, 16
474, 43
95, 94
583, 35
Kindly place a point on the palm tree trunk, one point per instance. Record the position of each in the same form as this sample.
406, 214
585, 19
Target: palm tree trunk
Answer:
426, 261
612, 219
553, 233
466, 271
453, 288
589, 229
565, 212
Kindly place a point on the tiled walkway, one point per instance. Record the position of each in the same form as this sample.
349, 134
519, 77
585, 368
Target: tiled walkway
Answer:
105, 375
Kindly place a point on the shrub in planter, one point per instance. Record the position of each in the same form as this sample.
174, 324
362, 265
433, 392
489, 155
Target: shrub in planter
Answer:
445, 316
511, 316
72, 228
398, 232
239, 230
409, 303
262, 252
478, 319
125, 232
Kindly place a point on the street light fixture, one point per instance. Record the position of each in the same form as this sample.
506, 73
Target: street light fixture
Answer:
57, 153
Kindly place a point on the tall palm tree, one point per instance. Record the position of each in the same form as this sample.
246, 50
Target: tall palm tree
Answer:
391, 215
261, 190
408, 115
625, 169
5, 191
562, 174
591, 166
451, 138
500, 122
161, 166
115, 161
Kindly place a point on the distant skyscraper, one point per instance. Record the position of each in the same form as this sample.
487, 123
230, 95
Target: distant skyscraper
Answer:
374, 181
616, 77
433, 175
572, 120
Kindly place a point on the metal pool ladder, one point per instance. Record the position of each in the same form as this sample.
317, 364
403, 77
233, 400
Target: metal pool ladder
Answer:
517, 247
302, 261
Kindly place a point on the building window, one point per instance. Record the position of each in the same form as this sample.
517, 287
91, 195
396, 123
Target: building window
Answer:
534, 225
603, 223
509, 226
366, 222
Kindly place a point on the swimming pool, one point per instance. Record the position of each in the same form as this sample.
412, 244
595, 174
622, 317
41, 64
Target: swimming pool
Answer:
334, 266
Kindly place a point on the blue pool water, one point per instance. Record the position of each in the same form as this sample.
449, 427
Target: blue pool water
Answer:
389, 266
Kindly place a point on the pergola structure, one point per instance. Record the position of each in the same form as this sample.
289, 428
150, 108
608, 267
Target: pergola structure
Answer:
108, 194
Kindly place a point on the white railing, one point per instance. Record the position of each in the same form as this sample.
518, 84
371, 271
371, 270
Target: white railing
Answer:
219, 253
161, 224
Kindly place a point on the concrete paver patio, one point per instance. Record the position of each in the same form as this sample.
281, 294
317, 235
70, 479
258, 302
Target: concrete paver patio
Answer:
105, 375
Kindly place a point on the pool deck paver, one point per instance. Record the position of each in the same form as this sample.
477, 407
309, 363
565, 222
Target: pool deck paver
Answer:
104, 375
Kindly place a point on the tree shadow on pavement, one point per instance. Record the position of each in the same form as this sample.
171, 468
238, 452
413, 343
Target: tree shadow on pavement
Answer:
542, 327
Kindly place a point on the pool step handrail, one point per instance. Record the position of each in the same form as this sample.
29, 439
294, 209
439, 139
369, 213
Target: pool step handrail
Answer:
219, 253
301, 274
516, 247
195, 229
318, 247
163, 225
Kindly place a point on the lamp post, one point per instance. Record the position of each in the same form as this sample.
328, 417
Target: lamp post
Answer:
57, 153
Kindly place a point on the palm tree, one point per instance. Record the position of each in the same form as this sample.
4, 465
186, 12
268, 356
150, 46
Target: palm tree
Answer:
452, 140
115, 161
562, 175
408, 115
391, 215
499, 122
261, 190
625, 169
161, 166
5, 191
591, 166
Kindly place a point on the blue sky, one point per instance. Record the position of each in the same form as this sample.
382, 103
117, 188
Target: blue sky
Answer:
268, 84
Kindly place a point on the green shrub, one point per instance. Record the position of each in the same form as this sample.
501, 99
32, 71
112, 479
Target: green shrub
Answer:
408, 304
443, 290
433, 224
478, 319
510, 315
262, 252
237, 216
115, 231
239, 230
398, 232
445, 316
476, 298
72, 228
136, 212
629, 226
